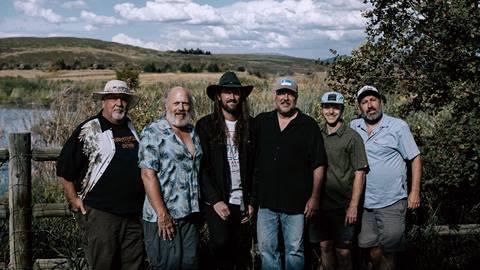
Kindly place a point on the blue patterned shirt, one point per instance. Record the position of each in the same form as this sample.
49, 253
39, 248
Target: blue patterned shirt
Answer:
176, 169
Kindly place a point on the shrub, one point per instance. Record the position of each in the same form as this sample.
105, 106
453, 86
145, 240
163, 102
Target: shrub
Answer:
186, 67
213, 67
150, 67
129, 75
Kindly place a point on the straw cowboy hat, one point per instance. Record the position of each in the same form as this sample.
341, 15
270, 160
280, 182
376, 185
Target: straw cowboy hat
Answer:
117, 87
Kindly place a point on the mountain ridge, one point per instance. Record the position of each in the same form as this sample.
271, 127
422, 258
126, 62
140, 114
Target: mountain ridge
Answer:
84, 53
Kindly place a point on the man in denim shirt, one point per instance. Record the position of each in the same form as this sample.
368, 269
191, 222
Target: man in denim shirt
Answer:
169, 158
389, 144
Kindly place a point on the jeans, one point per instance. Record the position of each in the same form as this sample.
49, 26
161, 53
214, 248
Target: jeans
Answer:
292, 225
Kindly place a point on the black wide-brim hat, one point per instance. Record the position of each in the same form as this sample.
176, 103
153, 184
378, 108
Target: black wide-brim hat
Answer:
229, 80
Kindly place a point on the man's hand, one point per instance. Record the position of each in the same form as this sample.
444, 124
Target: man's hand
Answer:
249, 214
351, 216
311, 208
166, 226
414, 199
77, 205
222, 210
75, 202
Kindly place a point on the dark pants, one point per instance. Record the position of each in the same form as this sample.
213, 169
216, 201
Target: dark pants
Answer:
229, 241
111, 241
179, 253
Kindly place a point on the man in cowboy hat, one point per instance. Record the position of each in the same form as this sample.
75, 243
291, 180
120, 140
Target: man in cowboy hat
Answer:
289, 170
226, 171
98, 170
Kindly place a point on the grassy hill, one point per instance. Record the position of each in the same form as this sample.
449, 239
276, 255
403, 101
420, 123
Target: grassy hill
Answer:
83, 53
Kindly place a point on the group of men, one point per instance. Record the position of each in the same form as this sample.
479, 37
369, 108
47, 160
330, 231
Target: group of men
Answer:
305, 182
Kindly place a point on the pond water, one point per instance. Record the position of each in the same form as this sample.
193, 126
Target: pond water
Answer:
15, 120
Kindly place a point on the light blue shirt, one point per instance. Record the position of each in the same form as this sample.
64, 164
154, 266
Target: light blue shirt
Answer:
387, 147
176, 169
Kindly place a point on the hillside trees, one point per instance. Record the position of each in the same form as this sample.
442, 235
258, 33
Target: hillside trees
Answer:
425, 55
130, 75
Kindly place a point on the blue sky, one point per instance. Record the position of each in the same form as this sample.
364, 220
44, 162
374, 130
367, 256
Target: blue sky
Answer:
302, 28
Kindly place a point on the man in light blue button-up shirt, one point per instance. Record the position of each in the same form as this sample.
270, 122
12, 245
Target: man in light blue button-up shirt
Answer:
389, 145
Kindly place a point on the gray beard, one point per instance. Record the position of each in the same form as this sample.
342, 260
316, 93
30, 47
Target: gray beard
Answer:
118, 115
174, 121
372, 119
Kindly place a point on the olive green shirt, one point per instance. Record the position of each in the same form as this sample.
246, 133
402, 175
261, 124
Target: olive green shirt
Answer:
346, 154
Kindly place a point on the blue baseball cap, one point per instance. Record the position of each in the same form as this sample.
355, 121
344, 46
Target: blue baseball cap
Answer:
332, 98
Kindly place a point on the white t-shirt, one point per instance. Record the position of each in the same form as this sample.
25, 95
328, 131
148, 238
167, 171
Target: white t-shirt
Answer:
236, 194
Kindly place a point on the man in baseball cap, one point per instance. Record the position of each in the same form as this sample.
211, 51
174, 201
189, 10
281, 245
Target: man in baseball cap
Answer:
389, 145
289, 171
347, 163
368, 90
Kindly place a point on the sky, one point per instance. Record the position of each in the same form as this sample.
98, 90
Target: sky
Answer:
301, 28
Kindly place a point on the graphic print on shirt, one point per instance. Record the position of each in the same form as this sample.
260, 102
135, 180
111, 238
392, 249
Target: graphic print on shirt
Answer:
233, 160
127, 142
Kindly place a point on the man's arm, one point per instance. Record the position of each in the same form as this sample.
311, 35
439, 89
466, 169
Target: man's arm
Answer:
358, 182
207, 181
165, 223
72, 197
313, 203
414, 196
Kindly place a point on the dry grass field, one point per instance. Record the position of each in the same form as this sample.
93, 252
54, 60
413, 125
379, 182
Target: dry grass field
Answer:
145, 78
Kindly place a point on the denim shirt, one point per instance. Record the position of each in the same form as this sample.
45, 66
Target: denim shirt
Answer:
387, 147
176, 169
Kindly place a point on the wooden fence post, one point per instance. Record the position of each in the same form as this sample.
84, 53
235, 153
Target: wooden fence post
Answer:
20, 200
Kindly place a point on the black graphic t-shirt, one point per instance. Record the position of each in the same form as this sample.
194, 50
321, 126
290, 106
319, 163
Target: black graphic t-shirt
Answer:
120, 189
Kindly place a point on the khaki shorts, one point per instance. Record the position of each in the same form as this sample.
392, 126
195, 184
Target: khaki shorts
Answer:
384, 227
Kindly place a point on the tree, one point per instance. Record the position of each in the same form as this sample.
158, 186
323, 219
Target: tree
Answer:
417, 49
425, 56
213, 67
427, 53
59, 64
128, 74
150, 67
186, 67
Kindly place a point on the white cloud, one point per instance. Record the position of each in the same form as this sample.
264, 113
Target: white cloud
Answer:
77, 4
57, 35
169, 11
125, 39
34, 8
10, 34
93, 21
259, 25
270, 26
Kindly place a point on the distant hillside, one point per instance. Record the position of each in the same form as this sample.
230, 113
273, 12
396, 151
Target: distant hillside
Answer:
83, 53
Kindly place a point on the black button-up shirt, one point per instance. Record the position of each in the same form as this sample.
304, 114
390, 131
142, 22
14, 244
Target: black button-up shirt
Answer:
285, 161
